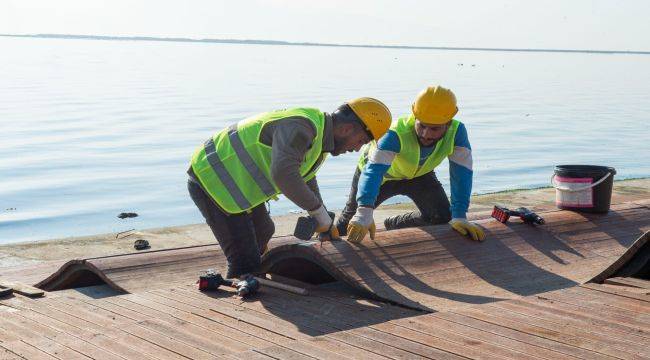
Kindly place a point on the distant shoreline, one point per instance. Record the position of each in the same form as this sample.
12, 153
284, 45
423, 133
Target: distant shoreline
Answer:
289, 43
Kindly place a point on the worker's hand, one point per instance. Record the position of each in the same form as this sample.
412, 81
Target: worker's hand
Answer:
325, 225
361, 223
331, 235
323, 220
465, 227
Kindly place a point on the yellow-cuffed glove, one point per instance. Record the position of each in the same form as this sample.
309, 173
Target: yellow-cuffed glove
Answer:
331, 235
323, 219
325, 224
361, 223
465, 227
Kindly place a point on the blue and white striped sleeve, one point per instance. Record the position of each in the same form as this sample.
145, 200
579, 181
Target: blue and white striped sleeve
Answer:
378, 163
460, 173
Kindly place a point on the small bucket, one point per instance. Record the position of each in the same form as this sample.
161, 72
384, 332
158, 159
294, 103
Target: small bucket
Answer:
586, 188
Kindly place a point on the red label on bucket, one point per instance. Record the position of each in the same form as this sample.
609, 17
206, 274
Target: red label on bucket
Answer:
573, 192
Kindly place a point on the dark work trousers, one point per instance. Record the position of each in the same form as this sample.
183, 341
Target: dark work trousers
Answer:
425, 191
242, 237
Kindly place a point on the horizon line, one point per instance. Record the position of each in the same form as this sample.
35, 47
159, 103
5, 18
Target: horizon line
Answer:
290, 43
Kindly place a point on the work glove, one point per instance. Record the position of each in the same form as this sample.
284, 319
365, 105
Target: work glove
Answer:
465, 227
361, 223
324, 224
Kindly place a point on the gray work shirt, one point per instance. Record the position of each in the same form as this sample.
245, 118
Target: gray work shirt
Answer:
290, 139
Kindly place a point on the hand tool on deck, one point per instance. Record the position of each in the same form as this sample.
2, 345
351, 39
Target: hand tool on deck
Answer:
502, 214
211, 280
306, 227
281, 286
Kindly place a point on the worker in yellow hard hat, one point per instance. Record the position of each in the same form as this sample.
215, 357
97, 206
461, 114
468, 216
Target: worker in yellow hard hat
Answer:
402, 162
236, 171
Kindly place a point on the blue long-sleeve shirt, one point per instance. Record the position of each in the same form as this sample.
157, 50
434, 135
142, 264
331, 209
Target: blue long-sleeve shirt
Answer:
460, 170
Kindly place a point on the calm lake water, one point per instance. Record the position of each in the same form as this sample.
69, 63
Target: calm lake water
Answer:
90, 129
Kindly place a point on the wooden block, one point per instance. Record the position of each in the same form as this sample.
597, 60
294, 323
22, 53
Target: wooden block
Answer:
22, 289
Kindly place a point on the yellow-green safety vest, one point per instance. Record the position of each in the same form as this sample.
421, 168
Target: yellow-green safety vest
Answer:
234, 166
406, 164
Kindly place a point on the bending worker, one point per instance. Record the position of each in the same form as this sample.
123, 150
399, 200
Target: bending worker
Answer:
240, 168
402, 162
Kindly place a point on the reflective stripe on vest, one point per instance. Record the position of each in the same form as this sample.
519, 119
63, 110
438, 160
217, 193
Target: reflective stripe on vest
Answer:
234, 167
406, 164
224, 175
248, 162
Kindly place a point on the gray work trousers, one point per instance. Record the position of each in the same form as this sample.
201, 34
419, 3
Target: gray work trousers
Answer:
242, 237
425, 191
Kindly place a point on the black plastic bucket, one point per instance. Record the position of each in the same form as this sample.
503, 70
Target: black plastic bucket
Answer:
586, 188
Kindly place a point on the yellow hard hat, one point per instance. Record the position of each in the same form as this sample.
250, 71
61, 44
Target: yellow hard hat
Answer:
435, 105
374, 114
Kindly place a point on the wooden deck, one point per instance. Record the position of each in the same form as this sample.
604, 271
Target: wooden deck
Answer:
586, 322
522, 294
430, 268
434, 268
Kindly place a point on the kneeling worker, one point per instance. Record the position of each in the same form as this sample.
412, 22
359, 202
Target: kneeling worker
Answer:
240, 168
402, 162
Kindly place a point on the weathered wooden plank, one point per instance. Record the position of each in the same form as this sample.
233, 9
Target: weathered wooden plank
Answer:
511, 347
199, 314
26, 351
30, 329
254, 313
531, 324
629, 281
167, 342
306, 348
431, 339
606, 299
90, 313
8, 355
55, 349
249, 355
486, 349
343, 348
616, 291
618, 322
206, 319
279, 352
370, 344
539, 342
610, 307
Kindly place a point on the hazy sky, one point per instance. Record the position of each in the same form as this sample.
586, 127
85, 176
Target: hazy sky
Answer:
559, 24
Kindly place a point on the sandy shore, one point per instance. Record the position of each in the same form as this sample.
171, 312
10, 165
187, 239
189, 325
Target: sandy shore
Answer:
20, 254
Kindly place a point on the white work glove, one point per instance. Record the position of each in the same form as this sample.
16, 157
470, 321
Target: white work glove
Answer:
323, 219
361, 223
465, 227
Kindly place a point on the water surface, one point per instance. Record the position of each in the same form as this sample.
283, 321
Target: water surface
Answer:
90, 129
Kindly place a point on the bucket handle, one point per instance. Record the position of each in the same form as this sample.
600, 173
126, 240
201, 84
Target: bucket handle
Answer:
580, 189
